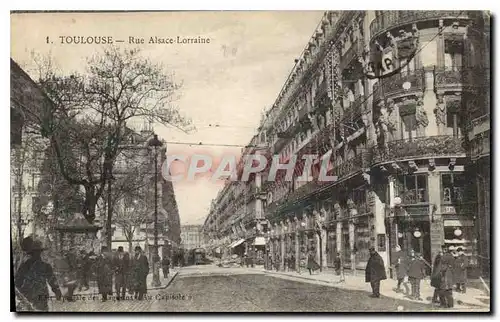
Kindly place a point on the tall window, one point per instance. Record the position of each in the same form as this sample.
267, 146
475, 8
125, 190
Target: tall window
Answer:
409, 68
452, 187
453, 52
411, 188
408, 124
453, 120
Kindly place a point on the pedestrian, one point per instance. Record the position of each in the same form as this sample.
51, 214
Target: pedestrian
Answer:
121, 267
337, 263
436, 275
416, 272
165, 263
292, 261
83, 270
312, 265
375, 272
140, 271
400, 264
33, 276
460, 270
71, 280
105, 273
446, 283
286, 263
277, 261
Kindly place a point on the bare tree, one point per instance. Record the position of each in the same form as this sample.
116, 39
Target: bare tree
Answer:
87, 116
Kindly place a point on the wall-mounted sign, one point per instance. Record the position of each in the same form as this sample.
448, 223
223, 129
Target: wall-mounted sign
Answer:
382, 62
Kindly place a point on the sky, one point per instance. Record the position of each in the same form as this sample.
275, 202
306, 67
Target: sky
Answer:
228, 82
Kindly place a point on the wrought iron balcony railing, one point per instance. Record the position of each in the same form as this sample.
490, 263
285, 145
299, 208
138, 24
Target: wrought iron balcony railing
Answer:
352, 165
393, 86
480, 146
393, 19
429, 146
447, 78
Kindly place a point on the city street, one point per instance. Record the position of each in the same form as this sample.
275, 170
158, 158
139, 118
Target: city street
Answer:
215, 289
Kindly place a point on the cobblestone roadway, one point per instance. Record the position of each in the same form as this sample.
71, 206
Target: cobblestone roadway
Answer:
218, 290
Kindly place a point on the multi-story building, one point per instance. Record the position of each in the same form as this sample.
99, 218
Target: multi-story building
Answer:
477, 113
191, 236
379, 95
27, 151
137, 161
236, 222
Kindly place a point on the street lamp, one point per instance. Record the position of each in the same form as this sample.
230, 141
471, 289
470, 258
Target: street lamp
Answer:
155, 144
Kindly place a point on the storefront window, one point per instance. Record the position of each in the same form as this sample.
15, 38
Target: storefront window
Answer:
452, 187
411, 188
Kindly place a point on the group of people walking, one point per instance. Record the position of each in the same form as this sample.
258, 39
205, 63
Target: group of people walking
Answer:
289, 262
129, 274
448, 271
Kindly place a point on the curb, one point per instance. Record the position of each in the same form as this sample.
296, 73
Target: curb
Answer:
336, 284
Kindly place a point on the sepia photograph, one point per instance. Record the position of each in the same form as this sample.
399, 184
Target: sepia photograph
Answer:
250, 161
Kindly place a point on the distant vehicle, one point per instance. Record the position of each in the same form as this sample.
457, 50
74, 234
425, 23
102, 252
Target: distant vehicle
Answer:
197, 256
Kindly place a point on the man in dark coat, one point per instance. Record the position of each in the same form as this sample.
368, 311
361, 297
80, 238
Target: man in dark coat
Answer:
33, 276
460, 270
105, 273
83, 268
436, 275
338, 264
121, 267
375, 272
140, 271
311, 262
400, 264
416, 272
446, 282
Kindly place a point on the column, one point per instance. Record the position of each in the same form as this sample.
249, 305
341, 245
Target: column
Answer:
282, 238
338, 235
351, 246
379, 211
436, 222
318, 247
324, 241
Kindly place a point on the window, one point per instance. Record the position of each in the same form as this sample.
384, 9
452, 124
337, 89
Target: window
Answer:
411, 188
453, 52
453, 120
452, 187
409, 126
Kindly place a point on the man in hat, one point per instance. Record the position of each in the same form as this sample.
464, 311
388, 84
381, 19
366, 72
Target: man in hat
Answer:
121, 266
400, 264
33, 276
416, 272
105, 273
446, 283
436, 274
140, 271
375, 272
460, 270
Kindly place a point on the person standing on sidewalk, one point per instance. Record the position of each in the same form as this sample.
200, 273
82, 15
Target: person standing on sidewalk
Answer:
400, 265
446, 283
436, 275
375, 272
416, 272
460, 270
105, 273
33, 276
121, 266
140, 271
311, 263
337, 264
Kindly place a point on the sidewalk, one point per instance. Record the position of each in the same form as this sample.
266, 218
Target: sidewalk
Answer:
93, 290
473, 298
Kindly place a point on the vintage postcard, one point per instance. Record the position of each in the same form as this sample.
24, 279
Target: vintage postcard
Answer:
250, 161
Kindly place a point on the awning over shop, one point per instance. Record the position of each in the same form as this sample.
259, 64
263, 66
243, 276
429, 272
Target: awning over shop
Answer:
259, 241
233, 245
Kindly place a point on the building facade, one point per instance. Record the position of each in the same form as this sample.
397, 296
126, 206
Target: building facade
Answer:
380, 96
191, 236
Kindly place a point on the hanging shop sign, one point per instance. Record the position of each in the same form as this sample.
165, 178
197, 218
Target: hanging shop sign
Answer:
385, 61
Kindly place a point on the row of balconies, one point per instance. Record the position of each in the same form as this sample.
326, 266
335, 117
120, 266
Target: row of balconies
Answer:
394, 19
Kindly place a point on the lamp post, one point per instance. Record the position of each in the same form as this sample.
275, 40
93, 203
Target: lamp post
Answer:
155, 144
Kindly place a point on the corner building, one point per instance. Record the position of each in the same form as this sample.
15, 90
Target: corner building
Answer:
396, 144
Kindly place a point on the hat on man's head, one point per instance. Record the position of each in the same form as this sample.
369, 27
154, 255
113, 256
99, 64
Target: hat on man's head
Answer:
137, 248
120, 248
36, 246
371, 248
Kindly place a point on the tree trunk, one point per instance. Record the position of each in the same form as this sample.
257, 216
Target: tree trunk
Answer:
130, 246
109, 232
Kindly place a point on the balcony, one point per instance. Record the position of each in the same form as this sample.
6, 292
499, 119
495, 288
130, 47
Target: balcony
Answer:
447, 79
480, 146
352, 165
393, 86
354, 50
479, 125
394, 19
431, 146
355, 109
